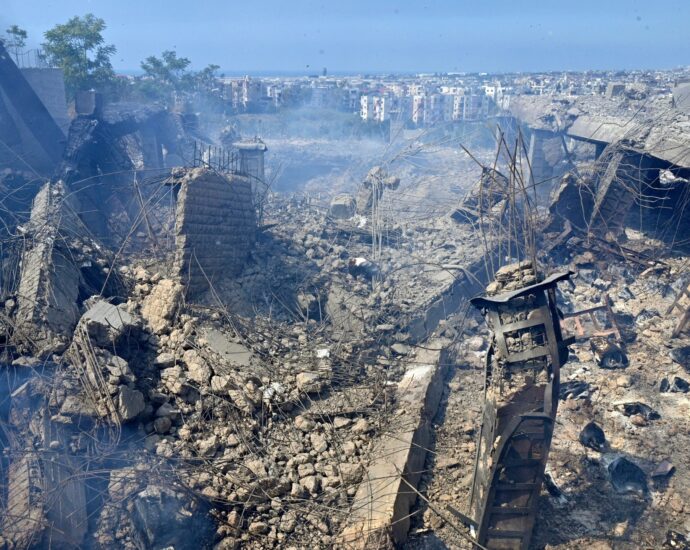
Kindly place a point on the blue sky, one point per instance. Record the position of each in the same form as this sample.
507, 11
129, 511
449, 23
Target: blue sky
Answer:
382, 35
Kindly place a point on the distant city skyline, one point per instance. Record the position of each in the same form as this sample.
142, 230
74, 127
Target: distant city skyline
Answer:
303, 37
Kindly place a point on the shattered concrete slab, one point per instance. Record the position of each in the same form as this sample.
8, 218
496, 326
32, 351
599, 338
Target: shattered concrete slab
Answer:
381, 506
107, 323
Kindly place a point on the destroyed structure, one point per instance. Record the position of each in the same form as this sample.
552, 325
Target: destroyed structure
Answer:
183, 367
524, 361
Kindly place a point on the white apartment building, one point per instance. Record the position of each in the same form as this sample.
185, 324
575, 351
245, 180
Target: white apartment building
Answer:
366, 107
458, 105
452, 90
474, 107
418, 108
440, 108
382, 108
430, 109
375, 107
416, 89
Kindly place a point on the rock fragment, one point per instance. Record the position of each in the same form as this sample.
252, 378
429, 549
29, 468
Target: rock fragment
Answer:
130, 403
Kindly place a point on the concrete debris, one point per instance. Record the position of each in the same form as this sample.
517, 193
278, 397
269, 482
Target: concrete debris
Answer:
309, 382
213, 365
130, 403
107, 324
161, 305
380, 514
342, 207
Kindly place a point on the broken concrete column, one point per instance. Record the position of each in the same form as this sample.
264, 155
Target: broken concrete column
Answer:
373, 186
49, 283
541, 170
381, 507
215, 227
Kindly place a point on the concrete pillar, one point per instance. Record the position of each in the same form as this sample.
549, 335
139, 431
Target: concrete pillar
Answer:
251, 164
539, 167
252, 159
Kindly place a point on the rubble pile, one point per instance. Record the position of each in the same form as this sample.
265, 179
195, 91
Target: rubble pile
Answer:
488, 198
620, 442
261, 414
179, 371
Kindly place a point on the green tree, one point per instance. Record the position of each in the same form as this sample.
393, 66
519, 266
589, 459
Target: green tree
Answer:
206, 77
78, 48
170, 74
16, 40
168, 70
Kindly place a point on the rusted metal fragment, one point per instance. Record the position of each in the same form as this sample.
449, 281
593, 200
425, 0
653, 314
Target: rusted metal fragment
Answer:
584, 323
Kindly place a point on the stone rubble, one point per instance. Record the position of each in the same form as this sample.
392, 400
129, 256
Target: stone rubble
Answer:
246, 399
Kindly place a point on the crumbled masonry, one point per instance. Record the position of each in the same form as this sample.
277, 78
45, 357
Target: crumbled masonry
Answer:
412, 348
215, 226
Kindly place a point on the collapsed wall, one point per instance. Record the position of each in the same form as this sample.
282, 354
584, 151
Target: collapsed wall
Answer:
104, 154
215, 226
60, 268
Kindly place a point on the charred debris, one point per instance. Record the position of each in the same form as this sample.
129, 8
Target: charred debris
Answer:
190, 360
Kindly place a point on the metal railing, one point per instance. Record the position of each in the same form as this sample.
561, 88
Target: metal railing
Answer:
30, 59
219, 159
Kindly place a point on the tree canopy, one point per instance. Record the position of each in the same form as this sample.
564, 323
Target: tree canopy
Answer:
16, 40
169, 73
78, 48
168, 69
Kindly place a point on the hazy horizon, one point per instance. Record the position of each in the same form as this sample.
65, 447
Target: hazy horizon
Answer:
302, 37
